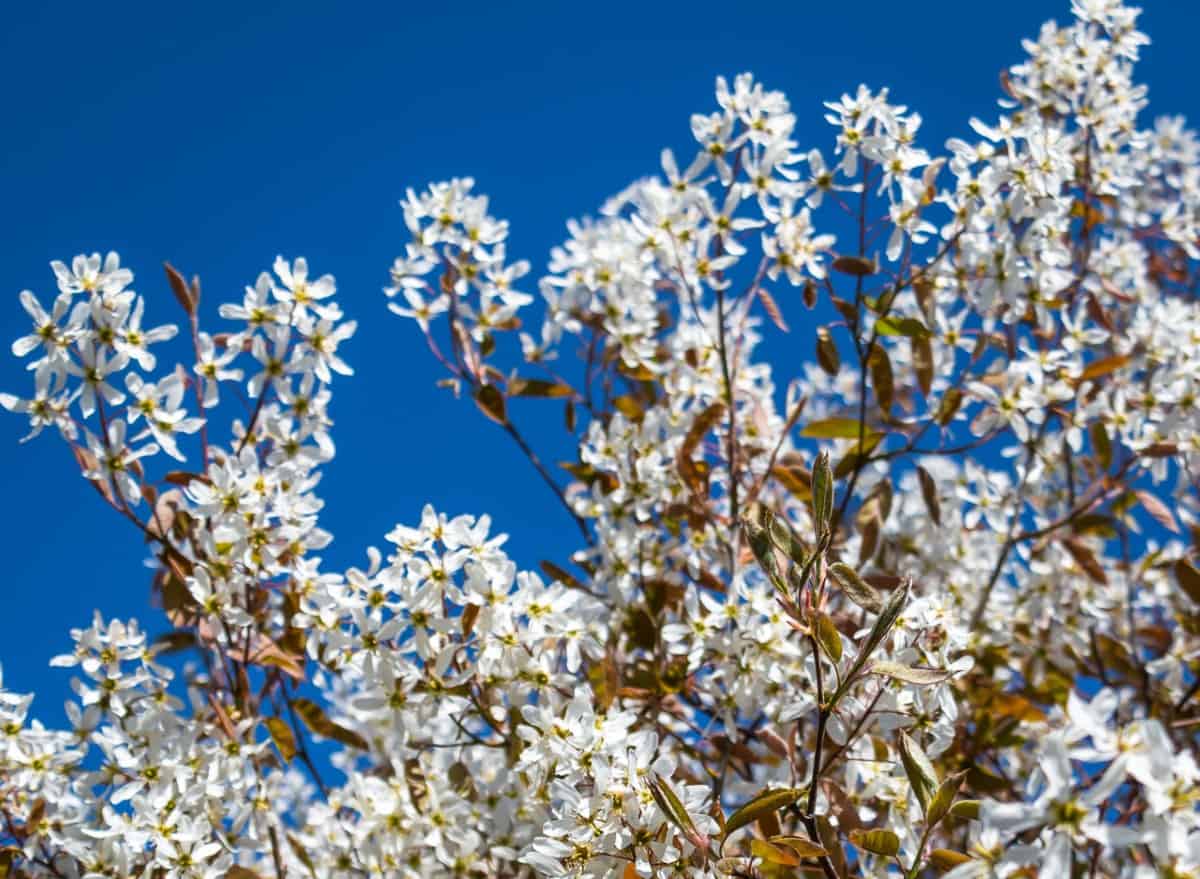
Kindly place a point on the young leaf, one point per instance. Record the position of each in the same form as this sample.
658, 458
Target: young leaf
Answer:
968, 809
948, 406
756, 523
1098, 434
771, 307
887, 618
236, 872
944, 860
491, 403
763, 803
857, 266
801, 845
673, 808
760, 848
881, 378
883, 624
315, 719
830, 838
1104, 366
281, 735
856, 589
535, 387
703, 423
785, 540
302, 854
180, 288
822, 493
827, 352
929, 494
943, 798
879, 842
901, 326
1189, 579
1160, 511
922, 361
909, 675
828, 637
921, 774
1086, 560
832, 428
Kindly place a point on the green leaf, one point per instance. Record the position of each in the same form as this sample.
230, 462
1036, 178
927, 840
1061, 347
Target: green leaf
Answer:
785, 540
760, 848
968, 809
943, 798
1101, 443
880, 842
881, 378
756, 523
909, 675
887, 618
672, 806
281, 735
535, 387
856, 589
801, 845
901, 326
921, 774
944, 860
828, 637
822, 493
832, 428
763, 803
883, 624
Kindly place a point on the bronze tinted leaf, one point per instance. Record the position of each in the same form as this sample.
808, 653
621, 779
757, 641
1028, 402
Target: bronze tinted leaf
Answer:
881, 378
315, 719
183, 294
1188, 578
534, 387
856, 266
827, 352
929, 494
281, 735
491, 402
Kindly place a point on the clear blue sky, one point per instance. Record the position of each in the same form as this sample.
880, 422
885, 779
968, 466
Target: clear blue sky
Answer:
217, 135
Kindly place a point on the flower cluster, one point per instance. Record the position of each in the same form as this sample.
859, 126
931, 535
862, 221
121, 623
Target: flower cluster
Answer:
926, 606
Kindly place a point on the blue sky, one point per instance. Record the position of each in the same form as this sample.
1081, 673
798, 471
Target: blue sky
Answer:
217, 135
